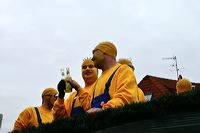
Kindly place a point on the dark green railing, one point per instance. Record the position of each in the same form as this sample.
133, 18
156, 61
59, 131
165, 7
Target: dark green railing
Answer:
167, 114
178, 123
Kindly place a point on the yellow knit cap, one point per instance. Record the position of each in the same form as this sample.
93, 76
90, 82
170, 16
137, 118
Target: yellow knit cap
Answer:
49, 91
183, 85
126, 62
107, 48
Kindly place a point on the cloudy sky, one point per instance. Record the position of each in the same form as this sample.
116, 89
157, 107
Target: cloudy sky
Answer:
38, 37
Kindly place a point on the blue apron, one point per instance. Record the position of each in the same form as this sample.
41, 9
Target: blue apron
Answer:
105, 97
76, 110
38, 116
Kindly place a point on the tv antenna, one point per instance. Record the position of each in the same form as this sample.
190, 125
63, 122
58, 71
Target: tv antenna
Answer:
174, 65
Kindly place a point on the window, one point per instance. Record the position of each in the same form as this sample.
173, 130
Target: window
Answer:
148, 96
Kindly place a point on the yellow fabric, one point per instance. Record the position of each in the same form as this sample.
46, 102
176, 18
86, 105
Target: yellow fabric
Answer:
86, 95
28, 118
80, 100
49, 91
123, 87
59, 110
107, 48
183, 85
141, 96
62, 109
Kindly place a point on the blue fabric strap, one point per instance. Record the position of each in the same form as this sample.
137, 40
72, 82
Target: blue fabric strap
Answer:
38, 116
76, 110
109, 81
74, 100
105, 97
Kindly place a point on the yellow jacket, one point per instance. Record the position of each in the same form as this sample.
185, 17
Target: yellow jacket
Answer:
123, 87
62, 109
183, 85
141, 96
28, 118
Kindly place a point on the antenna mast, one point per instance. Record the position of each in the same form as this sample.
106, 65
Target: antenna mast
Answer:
173, 65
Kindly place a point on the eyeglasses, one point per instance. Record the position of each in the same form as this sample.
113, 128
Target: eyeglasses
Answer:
55, 96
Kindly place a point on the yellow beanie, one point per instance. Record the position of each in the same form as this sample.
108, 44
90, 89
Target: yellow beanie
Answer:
49, 91
126, 62
183, 85
107, 48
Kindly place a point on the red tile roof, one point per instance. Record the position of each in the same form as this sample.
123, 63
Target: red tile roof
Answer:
158, 86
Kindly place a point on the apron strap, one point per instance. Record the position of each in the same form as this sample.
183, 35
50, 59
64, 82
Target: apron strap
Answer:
38, 116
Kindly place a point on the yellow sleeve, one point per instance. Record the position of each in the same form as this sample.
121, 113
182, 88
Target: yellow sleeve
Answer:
123, 88
23, 119
84, 99
59, 110
69, 101
141, 95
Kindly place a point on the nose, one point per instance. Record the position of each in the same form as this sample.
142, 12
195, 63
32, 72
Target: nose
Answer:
87, 67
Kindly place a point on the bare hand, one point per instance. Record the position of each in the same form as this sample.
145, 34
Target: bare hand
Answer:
74, 84
94, 110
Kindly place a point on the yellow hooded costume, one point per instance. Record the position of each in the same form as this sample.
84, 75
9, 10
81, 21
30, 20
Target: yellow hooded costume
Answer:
123, 87
183, 85
67, 108
28, 117
141, 97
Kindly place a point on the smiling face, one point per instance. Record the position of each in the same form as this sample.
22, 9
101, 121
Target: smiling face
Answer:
89, 72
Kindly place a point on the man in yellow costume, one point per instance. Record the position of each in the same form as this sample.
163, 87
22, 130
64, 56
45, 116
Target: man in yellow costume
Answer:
141, 97
117, 84
183, 85
73, 105
35, 116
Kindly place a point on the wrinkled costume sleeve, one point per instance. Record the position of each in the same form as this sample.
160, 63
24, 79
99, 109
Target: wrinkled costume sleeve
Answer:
59, 110
22, 120
85, 99
141, 96
123, 89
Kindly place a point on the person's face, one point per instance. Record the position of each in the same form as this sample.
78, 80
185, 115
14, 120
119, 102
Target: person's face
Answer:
89, 71
52, 99
98, 58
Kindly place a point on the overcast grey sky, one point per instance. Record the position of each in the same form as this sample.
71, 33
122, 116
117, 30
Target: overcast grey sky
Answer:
38, 37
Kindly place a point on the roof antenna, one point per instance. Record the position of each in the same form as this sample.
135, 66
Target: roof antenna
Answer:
174, 65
